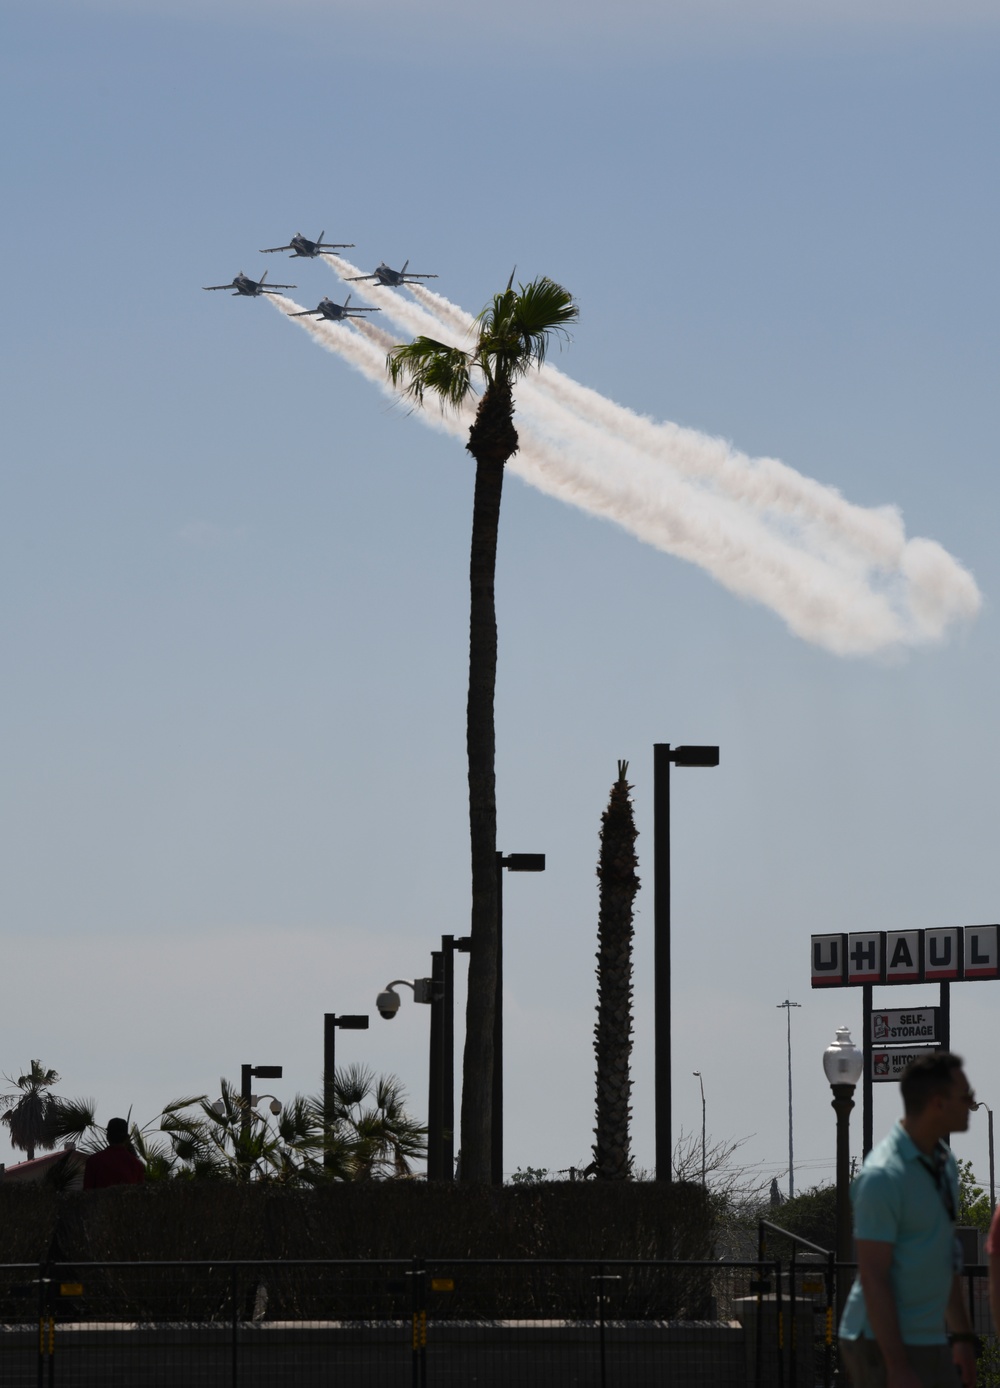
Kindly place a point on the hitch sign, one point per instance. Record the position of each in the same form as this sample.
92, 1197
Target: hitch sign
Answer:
915, 1027
890, 1064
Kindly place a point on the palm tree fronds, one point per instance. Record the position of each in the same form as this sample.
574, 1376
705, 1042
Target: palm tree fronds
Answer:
71, 1118
426, 364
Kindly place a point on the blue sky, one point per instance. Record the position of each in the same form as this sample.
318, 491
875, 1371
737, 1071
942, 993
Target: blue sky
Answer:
234, 576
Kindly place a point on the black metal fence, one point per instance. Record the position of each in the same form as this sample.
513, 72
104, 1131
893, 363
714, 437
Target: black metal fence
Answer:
766, 1323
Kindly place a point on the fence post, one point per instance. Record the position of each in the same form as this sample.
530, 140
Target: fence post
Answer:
41, 1325
418, 1274
234, 1299
758, 1349
600, 1322
779, 1306
830, 1328
793, 1334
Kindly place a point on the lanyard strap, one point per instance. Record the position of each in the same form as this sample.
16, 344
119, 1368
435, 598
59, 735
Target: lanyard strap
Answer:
936, 1171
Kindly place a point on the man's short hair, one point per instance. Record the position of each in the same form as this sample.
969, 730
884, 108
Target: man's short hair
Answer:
117, 1130
926, 1077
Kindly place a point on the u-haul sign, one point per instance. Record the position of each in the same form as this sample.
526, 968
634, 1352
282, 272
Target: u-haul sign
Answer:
895, 957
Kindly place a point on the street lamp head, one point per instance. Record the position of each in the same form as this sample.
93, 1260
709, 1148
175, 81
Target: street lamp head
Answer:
842, 1061
352, 1022
387, 1003
695, 756
523, 862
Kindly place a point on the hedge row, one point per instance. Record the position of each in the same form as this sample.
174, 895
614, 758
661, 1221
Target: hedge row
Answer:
194, 1221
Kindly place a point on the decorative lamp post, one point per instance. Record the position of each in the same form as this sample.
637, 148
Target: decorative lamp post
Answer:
697, 1074
663, 755
843, 1063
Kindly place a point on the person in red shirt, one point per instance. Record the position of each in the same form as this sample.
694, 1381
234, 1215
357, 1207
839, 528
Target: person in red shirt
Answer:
117, 1164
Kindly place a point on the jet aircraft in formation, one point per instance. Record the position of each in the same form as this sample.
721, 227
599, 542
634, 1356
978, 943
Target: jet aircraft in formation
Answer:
392, 279
326, 308
301, 247
243, 284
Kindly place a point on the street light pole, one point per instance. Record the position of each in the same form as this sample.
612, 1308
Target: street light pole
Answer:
702, 1083
247, 1074
989, 1120
513, 862
662, 757
449, 947
791, 1159
330, 1024
843, 1063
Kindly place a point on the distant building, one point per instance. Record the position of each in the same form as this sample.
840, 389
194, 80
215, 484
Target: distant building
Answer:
39, 1169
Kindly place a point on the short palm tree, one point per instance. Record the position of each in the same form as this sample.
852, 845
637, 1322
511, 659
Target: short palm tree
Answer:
31, 1110
512, 336
371, 1135
616, 871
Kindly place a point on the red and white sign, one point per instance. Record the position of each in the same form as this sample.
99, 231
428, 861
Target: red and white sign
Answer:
981, 957
954, 954
904, 951
890, 1062
865, 957
918, 1027
943, 954
829, 961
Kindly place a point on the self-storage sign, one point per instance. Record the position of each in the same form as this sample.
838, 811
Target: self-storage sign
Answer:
916, 1027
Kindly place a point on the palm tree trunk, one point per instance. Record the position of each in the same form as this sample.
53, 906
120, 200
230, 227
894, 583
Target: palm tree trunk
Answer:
492, 440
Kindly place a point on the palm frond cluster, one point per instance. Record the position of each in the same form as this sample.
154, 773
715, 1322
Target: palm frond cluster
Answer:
369, 1137
362, 1133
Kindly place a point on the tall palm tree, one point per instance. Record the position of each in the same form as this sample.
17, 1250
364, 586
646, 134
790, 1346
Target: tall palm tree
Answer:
31, 1110
513, 334
613, 1032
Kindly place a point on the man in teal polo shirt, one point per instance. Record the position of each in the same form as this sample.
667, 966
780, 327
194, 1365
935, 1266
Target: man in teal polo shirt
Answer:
908, 1292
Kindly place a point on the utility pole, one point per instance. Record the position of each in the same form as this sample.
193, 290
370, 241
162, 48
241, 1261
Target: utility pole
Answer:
791, 1159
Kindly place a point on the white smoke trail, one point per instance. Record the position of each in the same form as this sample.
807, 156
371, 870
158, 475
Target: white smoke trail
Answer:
444, 310
366, 352
394, 303
842, 576
765, 483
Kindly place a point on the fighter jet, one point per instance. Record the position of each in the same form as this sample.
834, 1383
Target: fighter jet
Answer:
326, 308
392, 278
243, 284
301, 247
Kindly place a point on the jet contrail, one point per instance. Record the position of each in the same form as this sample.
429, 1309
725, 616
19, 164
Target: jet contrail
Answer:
766, 483
844, 577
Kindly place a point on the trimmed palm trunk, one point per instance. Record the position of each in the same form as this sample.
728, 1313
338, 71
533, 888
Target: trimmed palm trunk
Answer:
492, 440
619, 881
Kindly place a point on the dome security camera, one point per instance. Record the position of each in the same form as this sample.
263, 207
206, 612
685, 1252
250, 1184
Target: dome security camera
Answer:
387, 1003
